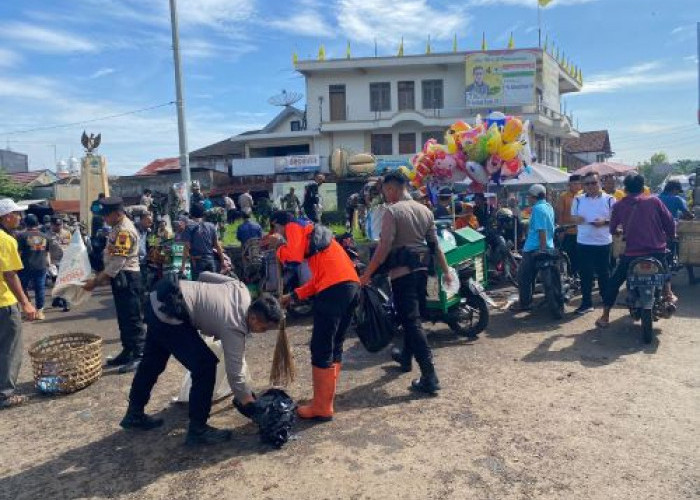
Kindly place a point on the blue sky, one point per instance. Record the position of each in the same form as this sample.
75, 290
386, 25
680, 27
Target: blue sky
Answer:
64, 61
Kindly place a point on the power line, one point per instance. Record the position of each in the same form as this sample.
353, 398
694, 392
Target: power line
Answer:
63, 125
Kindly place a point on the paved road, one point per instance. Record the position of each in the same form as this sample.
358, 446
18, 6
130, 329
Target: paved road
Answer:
533, 409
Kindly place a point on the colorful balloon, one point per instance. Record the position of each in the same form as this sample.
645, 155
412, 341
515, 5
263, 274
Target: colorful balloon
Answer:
493, 164
512, 129
477, 172
493, 140
510, 150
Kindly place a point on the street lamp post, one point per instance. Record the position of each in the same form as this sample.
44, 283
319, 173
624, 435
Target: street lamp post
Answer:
181, 126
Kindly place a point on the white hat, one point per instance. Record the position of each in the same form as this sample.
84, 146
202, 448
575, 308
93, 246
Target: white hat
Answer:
7, 206
537, 190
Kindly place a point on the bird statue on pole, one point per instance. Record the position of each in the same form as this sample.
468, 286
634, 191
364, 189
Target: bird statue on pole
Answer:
90, 143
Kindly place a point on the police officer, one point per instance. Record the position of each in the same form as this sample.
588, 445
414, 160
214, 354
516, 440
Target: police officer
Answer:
122, 269
407, 239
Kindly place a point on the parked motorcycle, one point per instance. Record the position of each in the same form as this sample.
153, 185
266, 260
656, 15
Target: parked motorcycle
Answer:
646, 279
549, 273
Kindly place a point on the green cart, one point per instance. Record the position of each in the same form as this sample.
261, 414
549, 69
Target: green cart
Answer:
466, 310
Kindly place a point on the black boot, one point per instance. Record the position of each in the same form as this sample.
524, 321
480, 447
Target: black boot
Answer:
120, 359
428, 381
203, 434
137, 419
403, 361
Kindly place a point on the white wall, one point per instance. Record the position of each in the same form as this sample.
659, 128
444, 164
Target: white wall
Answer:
357, 90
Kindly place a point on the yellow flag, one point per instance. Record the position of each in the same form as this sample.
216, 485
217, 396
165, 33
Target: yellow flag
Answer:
295, 58
347, 51
400, 53
544, 3
427, 47
322, 53
454, 43
483, 41
511, 42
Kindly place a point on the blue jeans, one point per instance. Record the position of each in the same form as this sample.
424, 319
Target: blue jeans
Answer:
37, 278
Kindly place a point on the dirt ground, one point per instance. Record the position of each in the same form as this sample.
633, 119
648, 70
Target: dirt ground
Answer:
533, 409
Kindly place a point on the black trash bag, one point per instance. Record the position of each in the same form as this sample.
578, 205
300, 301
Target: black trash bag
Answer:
374, 319
275, 413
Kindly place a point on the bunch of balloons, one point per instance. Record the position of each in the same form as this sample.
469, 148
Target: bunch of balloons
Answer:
494, 149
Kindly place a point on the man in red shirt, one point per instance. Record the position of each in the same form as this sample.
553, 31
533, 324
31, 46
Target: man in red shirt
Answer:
647, 225
334, 284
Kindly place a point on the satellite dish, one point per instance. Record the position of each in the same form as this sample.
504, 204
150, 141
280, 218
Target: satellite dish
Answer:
285, 98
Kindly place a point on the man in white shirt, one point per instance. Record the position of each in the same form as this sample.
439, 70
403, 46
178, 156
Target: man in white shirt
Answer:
230, 208
245, 202
592, 211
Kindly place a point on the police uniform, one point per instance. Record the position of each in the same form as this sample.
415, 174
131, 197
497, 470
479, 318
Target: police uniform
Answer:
121, 258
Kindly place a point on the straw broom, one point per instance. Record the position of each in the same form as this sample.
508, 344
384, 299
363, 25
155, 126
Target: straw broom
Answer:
283, 371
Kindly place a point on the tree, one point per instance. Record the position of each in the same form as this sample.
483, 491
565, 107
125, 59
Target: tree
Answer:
649, 169
11, 189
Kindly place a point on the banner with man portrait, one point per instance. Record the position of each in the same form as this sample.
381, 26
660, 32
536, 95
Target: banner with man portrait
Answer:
500, 78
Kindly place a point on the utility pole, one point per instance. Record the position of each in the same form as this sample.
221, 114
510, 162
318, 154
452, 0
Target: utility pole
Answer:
181, 126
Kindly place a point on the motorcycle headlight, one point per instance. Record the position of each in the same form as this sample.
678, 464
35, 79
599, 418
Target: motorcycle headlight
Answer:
646, 267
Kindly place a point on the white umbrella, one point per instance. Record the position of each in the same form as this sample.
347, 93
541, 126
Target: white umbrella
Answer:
539, 174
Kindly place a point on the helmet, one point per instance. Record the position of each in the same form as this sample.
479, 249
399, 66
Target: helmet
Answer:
537, 190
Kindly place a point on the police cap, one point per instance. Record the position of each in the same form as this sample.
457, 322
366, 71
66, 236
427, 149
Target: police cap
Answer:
111, 204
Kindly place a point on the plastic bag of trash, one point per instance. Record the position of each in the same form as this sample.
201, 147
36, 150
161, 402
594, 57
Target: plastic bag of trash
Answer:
73, 271
375, 319
275, 414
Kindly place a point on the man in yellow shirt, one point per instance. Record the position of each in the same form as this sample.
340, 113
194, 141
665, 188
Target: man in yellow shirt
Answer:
610, 187
11, 293
563, 218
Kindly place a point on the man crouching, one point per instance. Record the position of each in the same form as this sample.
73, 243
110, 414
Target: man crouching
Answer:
219, 306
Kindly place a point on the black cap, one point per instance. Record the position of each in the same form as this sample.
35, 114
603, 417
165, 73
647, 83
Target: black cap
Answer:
46, 218
395, 177
31, 220
111, 204
574, 178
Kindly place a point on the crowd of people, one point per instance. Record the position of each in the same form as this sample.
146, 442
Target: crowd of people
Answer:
164, 316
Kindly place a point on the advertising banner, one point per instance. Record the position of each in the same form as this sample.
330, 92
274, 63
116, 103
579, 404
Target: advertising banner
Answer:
297, 164
550, 82
500, 78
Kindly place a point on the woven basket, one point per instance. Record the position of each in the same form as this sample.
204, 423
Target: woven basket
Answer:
66, 363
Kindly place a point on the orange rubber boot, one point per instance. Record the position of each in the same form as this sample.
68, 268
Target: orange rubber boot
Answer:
337, 367
321, 407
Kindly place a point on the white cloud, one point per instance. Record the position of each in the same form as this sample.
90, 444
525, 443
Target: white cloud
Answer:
527, 3
101, 72
305, 23
46, 40
221, 14
645, 75
9, 58
366, 20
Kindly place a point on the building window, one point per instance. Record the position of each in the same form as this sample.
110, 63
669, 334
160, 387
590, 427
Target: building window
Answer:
407, 143
381, 144
296, 125
438, 135
539, 147
380, 96
432, 94
336, 94
407, 96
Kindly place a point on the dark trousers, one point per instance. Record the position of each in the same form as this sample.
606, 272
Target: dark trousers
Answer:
333, 310
37, 278
527, 272
570, 246
409, 294
127, 290
594, 261
201, 265
10, 349
185, 344
619, 276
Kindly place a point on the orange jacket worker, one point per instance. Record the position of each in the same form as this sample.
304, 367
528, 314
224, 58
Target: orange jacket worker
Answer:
334, 284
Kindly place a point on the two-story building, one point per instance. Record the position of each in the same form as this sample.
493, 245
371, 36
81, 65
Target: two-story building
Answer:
390, 106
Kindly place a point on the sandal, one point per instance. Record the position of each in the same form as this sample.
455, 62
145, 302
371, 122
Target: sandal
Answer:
602, 324
13, 400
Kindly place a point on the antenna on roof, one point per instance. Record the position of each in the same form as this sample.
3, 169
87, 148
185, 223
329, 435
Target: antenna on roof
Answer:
285, 98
